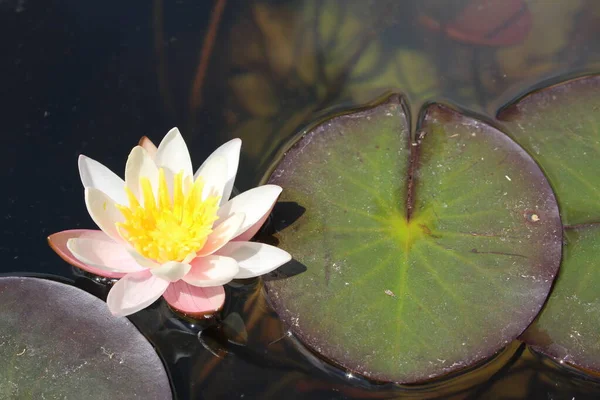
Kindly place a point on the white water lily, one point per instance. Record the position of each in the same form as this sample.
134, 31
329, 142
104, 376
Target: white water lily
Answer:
166, 231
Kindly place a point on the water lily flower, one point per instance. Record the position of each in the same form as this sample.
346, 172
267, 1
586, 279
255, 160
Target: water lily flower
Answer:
166, 231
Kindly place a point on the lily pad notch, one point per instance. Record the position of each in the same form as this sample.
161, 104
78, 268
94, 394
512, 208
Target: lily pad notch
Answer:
443, 243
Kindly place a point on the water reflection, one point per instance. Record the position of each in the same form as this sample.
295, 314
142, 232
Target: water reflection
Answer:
288, 63
257, 357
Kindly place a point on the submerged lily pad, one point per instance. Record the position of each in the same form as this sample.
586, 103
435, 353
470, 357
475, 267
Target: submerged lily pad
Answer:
423, 255
59, 342
560, 126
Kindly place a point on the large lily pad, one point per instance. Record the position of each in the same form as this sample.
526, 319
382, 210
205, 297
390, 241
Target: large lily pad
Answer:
59, 342
423, 255
560, 126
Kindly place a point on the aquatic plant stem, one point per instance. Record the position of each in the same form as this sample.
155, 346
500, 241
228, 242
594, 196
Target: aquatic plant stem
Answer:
207, 47
159, 51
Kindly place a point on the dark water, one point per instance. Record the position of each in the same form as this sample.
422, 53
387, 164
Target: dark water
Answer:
93, 77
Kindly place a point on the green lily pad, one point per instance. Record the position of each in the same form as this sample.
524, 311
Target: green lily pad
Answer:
560, 127
59, 342
568, 328
423, 255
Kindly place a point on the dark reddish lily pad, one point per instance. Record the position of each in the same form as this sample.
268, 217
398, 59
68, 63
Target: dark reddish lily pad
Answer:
423, 255
568, 328
486, 22
560, 127
59, 342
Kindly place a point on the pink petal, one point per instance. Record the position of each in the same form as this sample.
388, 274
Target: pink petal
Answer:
195, 301
134, 292
148, 146
222, 234
106, 255
211, 271
249, 234
58, 243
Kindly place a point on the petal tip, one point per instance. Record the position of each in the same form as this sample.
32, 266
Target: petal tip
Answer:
148, 145
82, 165
51, 237
53, 242
276, 188
270, 189
173, 132
115, 313
286, 258
136, 151
143, 140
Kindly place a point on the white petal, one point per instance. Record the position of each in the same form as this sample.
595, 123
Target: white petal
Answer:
103, 254
140, 165
173, 154
231, 152
213, 173
254, 203
211, 270
222, 234
140, 259
93, 174
171, 271
104, 213
150, 147
254, 259
134, 292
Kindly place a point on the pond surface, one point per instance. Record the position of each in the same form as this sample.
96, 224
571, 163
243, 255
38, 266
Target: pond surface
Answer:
93, 77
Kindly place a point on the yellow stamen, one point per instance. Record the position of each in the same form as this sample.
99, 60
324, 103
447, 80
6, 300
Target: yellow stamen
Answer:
168, 228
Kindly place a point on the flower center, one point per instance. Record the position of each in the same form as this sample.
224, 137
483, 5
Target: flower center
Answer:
168, 228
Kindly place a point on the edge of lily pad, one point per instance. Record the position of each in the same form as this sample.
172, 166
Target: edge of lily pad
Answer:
64, 281
325, 115
504, 112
